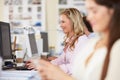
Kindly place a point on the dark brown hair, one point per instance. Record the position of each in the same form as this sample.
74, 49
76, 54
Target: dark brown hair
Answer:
87, 24
114, 28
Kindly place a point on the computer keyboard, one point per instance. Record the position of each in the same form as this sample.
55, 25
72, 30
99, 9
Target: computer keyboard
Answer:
22, 68
15, 68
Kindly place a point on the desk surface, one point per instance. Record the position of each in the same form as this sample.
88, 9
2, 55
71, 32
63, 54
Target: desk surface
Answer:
19, 75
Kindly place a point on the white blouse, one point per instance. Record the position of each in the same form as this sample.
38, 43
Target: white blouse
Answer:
95, 65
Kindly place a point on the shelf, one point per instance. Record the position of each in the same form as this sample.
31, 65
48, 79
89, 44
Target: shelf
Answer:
25, 12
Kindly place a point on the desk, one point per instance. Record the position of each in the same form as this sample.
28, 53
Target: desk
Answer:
19, 75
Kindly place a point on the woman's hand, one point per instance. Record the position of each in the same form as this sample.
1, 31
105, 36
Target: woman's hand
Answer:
49, 71
29, 64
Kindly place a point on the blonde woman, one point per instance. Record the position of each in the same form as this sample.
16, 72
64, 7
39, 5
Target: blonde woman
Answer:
72, 24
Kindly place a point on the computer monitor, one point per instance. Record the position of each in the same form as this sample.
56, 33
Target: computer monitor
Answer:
5, 41
33, 44
44, 36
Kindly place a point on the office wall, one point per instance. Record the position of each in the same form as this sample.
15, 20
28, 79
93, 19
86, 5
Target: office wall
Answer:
1, 10
52, 20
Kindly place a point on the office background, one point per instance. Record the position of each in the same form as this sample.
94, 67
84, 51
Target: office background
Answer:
51, 18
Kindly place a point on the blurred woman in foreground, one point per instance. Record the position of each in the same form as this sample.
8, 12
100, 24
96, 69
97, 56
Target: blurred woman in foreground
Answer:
100, 59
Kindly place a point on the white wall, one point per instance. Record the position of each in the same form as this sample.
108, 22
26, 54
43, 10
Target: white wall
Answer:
52, 20
1, 10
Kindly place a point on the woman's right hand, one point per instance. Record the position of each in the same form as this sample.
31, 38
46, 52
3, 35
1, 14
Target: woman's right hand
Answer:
49, 71
29, 64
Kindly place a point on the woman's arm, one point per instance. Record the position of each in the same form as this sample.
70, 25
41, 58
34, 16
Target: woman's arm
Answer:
59, 60
51, 72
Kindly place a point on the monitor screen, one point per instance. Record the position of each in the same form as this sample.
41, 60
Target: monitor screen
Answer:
33, 44
44, 36
5, 41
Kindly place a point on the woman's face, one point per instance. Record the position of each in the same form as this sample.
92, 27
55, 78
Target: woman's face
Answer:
66, 24
98, 16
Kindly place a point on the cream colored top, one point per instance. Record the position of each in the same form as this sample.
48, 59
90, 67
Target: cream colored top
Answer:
94, 68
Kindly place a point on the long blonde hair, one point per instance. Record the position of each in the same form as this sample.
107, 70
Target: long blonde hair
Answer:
77, 22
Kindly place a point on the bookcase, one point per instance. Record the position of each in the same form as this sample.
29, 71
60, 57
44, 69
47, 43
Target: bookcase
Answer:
25, 13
